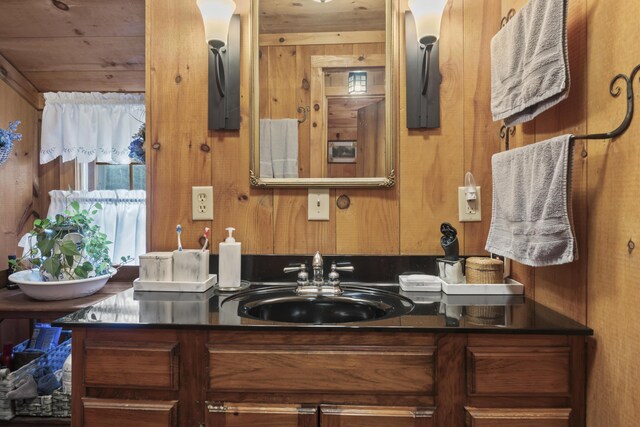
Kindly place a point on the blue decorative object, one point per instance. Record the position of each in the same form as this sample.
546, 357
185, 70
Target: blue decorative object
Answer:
136, 148
6, 140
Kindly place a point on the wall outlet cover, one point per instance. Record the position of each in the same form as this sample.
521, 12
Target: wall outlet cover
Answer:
202, 203
469, 210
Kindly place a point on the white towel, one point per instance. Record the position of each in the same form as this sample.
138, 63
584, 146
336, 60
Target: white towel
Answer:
531, 218
279, 148
530, 63
266, 167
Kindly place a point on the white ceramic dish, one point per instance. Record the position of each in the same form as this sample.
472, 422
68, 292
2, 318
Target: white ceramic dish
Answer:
31, 284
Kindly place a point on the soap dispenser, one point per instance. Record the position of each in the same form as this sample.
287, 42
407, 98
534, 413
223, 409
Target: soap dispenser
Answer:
229, 262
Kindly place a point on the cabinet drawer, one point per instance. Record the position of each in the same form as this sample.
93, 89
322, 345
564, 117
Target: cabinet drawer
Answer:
313, 369
520, 371
501, 417
260, 415
371, 416
139, 364
115, 412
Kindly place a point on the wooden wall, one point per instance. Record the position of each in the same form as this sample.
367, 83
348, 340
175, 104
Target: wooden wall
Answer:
402, 220
614, 218
17, 174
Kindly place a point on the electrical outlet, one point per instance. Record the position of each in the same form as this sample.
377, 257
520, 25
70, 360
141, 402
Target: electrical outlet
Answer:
202, 203
469, 210
318, 209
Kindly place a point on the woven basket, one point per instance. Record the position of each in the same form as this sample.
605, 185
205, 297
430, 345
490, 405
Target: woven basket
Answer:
485, 314
42, 406
484, 270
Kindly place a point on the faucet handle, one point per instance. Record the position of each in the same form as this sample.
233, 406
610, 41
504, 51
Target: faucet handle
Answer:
342, 266
303, 276
295, 267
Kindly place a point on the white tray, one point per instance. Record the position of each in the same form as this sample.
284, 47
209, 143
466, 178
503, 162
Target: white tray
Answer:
420, 283
510, 288
140, 285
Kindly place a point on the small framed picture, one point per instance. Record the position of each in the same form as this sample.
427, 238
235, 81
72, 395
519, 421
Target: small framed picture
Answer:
342, 152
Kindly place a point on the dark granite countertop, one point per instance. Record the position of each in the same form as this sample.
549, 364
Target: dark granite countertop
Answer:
433, 312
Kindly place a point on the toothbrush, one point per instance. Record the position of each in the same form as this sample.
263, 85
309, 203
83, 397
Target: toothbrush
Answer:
179, 230
206, 238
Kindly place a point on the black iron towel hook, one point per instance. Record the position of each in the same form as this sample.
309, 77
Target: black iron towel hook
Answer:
615, 90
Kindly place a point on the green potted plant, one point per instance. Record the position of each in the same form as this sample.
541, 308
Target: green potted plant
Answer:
68, 247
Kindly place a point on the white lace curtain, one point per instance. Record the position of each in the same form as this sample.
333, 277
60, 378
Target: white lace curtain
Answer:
122, 217
90, 126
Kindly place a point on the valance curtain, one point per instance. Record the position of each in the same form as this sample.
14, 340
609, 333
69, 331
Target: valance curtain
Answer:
90, 126
122, 217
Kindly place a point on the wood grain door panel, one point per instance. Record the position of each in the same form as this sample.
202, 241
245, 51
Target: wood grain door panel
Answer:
521, 371
369, 416
502, 417
312, 369
141, 413
260, 415
124, 364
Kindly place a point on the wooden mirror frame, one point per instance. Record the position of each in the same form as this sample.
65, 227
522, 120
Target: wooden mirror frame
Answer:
389, 178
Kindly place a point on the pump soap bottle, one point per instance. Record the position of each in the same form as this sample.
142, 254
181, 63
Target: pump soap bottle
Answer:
229, 262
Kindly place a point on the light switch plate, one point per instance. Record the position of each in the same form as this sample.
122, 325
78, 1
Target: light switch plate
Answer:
318, 209
469, 210
202, 203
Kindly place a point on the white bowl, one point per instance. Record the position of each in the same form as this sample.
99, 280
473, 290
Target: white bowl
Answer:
31, 284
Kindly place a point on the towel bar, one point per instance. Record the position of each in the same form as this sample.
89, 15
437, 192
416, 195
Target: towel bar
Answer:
614, 90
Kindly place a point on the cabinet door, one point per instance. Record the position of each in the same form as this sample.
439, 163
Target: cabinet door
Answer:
263, 415
119, 412
503, 417
375, 416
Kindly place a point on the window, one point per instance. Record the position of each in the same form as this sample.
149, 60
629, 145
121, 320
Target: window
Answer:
106, 176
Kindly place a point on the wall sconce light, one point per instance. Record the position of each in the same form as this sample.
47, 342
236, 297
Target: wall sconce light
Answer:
222, 34
357, 83
422, 31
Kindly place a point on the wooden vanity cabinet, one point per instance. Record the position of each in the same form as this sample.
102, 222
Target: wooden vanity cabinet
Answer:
348, 378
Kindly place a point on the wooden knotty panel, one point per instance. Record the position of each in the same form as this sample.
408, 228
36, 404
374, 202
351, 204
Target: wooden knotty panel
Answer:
18, 173
176, 123
431, 163
613, 205
371, 224
564, 287
501, 417
481, 133
141, 413
121, 364
518, 371
313, 369
372, 416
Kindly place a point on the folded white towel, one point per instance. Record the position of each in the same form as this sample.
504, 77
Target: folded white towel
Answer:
530, 63
266, 167
279, 148
531, 211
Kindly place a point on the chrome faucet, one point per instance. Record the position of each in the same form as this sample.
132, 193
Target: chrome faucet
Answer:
318, 285
318, 274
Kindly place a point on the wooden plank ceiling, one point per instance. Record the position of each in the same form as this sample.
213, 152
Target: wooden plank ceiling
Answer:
75, 45
311, 16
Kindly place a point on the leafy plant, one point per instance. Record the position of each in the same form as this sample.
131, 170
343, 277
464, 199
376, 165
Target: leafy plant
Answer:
69, 246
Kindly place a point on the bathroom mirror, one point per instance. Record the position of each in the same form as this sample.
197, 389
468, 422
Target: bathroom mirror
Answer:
322, 113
